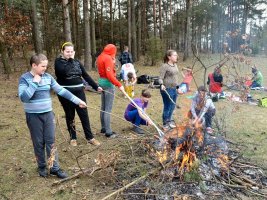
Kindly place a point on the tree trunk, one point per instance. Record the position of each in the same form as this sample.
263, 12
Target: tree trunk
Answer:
35, 30
4, 58
171, 21
154, 18
75, 28
120, 25
187, 50
139, 28
47, 29
143, 25
93, 39
101, 23
66, 20
160, 20
111, 21
129, 25
87, 46
134, 42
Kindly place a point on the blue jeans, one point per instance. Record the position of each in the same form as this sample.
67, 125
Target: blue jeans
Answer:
135, 118
208, 116
168, 105
255, 84
107, 99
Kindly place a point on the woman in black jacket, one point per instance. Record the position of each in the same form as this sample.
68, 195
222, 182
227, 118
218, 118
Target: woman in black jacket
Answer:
70, 74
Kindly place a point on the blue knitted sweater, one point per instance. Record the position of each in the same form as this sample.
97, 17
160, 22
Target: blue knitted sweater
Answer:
36, 97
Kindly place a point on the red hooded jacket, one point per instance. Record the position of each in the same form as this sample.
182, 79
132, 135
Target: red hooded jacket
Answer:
106, 64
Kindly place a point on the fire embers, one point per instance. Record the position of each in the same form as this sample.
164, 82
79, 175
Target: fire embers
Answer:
187, 149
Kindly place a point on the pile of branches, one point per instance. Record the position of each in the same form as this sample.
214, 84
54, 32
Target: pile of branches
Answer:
240, 179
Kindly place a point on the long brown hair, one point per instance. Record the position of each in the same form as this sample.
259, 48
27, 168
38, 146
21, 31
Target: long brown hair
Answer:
167, 54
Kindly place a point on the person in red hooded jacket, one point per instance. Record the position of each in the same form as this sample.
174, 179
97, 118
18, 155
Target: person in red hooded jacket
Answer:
106, 69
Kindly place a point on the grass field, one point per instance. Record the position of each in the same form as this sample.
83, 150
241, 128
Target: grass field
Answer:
244, 124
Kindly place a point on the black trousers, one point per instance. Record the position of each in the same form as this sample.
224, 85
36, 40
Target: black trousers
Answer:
70, 108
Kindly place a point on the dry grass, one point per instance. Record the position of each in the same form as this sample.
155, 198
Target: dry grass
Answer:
19, 178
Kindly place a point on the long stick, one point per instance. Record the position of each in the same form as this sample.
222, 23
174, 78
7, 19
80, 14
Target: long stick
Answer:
130, 184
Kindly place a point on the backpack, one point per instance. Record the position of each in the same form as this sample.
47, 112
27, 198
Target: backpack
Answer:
143, 79
263, 102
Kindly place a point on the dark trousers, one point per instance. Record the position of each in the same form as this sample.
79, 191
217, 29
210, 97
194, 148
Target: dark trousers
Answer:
70, 108
42, 129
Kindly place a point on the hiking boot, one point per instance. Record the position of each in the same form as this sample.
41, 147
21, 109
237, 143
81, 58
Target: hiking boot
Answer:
73, 142
94, 142
59, 173
43, 172
111, 135
138, 130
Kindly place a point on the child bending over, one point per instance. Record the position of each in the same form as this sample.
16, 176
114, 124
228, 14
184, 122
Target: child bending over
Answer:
135, 115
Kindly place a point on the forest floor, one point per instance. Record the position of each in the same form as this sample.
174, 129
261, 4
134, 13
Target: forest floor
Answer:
244, 124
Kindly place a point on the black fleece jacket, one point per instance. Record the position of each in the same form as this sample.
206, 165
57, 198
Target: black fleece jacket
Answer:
71, 72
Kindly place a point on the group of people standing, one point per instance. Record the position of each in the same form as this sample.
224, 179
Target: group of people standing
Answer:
34, 92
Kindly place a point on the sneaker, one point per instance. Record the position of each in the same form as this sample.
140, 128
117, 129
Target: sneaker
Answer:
138, 130
59, 173
209, 130
43, 172
94, 142
73, 142
111, 135
166, 127
172, 124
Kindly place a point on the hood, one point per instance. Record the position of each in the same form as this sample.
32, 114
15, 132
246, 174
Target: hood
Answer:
110, 49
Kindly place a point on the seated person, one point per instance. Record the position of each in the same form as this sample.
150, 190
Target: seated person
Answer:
128, 75
202, 109
248, 81
215, 82
188, 77
257, 78
136, 115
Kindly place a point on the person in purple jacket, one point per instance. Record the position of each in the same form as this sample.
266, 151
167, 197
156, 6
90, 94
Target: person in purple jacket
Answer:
136, 115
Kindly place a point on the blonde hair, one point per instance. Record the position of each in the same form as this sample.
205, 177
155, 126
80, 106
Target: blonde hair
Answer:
66, 44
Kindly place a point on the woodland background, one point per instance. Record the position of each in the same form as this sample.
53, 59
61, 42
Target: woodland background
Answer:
204, 32
148, 27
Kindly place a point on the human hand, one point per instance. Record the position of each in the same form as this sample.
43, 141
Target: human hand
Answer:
195, 121
37, 78
149, 122
73, 55
162, 87
82, 104
100, 89
121, 88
